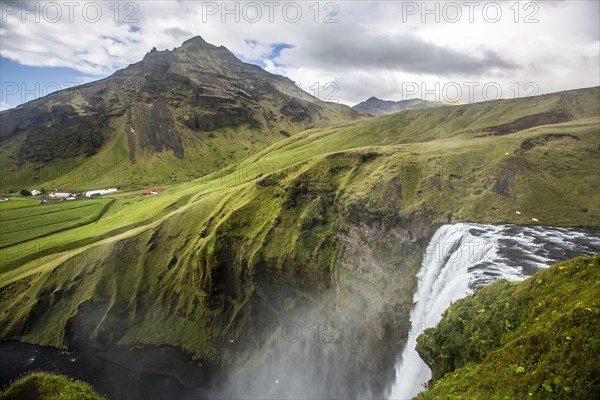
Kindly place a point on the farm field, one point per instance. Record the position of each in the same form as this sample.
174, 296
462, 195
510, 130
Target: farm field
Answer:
21, 224
18, 202
112, 216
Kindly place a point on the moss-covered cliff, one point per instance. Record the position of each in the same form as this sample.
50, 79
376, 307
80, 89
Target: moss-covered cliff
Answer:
537, 339
42, 386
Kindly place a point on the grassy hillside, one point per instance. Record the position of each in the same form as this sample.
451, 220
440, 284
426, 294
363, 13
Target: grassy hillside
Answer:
42, 386
462, 160
335, 218
538, 339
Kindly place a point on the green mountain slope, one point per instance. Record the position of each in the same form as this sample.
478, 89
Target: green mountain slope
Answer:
538, 339
332, 219
174, 116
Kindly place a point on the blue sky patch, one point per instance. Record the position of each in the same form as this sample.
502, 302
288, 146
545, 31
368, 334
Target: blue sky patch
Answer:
275, 51
20, 84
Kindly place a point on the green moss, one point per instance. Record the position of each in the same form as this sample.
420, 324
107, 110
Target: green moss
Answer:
43, 386
537, 339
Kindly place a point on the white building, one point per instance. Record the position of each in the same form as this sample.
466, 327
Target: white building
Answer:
61, 194
100, 192
35, 192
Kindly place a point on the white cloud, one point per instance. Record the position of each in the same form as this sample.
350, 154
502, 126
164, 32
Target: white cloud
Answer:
4, 106
373, 48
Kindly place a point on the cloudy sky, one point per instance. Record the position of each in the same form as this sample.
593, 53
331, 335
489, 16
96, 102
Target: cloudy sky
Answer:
345, 51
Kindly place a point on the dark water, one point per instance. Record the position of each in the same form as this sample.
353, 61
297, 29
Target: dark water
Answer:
152, 373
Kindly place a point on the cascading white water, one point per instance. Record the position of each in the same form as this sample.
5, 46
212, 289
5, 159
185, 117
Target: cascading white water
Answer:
460, 258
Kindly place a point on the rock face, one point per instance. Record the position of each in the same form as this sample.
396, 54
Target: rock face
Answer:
65, 135
19, 119
376, 313
157, 130
375, 106
173, 103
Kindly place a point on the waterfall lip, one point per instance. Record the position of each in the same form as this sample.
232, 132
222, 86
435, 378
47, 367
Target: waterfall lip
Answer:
493, 252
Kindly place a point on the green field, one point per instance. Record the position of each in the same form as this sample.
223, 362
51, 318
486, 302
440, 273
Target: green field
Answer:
17, 202
118, 215
37, 220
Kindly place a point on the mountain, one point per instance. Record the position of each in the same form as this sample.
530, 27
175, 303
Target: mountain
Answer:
375, 106
326, 226
536, 339
173, 116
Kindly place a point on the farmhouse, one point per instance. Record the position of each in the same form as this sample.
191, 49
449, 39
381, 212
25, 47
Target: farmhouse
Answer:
149, 192
61, 194
3, 199
48, 199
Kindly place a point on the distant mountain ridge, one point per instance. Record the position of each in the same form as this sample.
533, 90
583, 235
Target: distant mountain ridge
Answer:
375, 106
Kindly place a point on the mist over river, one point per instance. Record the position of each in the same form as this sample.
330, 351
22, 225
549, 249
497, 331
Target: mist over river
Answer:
458, 259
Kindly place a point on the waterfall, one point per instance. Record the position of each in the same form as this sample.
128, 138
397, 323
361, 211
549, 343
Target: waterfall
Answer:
462, 257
